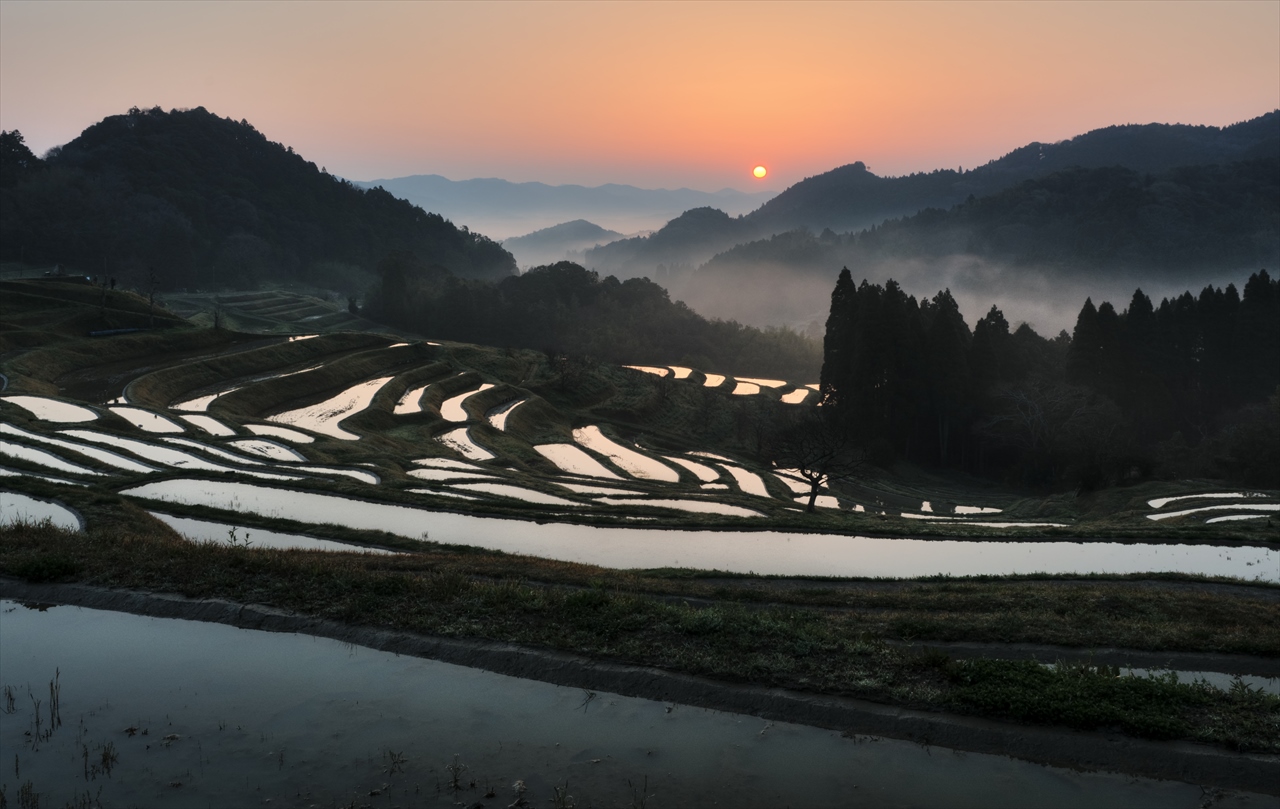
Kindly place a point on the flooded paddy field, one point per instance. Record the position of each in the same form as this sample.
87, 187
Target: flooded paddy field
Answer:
442, 453
765, 552
151, 711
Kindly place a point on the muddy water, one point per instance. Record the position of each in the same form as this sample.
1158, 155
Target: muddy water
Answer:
235, 717
770, 552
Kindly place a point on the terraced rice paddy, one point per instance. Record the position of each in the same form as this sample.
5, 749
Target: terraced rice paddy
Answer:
474, 465
411, 401
208, 424
452, 409
634, 463
772, 552
43, 458
573, 460
274, 431
460, 441
499, 415
252, 537
46, 409
102, 456
268, 449
325, 417
702, 472
146, 420
21, 508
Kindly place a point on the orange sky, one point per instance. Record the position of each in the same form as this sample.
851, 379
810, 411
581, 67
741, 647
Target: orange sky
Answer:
651, 94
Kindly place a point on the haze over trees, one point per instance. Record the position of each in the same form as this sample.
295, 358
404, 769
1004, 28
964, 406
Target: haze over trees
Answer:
564, 308
1187, 387
1168, 205
204, 201
557, 243
851, 198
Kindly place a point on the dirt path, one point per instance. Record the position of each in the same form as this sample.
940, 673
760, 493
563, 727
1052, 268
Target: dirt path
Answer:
1181, 761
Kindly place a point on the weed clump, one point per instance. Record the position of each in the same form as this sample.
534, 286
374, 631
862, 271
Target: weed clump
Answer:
47, 569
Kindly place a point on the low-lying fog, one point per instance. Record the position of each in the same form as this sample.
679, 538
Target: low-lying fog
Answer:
1047, 299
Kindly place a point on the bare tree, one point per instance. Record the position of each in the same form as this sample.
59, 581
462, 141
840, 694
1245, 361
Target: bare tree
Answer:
820, 450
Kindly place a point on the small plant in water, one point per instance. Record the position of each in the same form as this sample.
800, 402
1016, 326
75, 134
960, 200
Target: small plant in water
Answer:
456, 769
28, 798
560, 797
55, 700
520, 789
638, 800
395, 762
236, 541
9, 706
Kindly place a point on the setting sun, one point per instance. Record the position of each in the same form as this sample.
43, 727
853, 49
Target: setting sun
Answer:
759, 172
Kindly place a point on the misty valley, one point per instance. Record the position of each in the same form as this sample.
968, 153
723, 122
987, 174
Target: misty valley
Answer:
953, 488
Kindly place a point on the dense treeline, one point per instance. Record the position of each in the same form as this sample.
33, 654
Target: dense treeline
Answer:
1189, 387
203, 201
565, 309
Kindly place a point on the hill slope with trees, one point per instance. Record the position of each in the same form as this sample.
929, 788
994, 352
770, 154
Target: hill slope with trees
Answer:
564, 309
204, 201
851, 197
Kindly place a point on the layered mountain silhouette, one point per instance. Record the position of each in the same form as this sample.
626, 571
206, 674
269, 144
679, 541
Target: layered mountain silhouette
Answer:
505, 209
558, 242
852, 197
194, 200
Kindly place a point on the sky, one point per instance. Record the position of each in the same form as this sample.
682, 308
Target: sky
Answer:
652, 94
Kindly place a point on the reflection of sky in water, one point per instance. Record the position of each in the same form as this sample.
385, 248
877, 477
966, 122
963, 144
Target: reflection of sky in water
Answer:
206, 530
324, 417
733, 551
270, 717
16, 507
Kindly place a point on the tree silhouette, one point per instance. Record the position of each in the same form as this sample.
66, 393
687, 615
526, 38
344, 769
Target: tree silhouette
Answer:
820, 450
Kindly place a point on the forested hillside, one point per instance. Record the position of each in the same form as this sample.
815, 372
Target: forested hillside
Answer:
852, 198
565, 309
1184, 388
203, 201
1081, 220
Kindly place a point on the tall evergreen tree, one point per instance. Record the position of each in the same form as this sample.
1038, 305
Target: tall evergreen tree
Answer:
948, 378
1084, 359
837, 347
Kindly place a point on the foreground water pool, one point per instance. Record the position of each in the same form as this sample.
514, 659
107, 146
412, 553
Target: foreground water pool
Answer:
210, 715
769, 552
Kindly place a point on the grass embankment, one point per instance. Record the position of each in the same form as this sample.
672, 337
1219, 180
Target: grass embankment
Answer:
825, 639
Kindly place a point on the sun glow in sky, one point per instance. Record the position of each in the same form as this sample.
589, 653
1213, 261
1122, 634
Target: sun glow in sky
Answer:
652, 94
759, 172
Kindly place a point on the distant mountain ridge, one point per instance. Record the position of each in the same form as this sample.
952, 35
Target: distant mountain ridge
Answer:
504, 209
851, 197
553, 244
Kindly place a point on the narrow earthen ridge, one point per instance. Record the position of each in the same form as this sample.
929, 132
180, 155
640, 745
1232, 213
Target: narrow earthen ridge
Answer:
1180, 761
